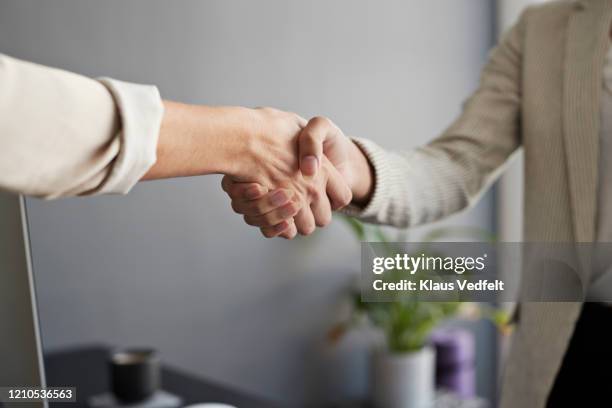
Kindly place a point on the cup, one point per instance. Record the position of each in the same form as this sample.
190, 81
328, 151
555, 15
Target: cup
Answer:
135, 374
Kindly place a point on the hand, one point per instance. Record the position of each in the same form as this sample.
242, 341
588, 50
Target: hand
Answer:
276, 212
249, 145
320, 141
299, 202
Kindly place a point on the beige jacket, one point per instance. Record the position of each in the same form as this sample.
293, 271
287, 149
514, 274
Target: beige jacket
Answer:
540, 90
63, 134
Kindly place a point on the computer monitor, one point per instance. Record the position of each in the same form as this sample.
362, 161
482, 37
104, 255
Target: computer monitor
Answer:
20, 342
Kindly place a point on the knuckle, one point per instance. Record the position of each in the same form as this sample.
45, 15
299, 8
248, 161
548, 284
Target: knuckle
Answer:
346, 199
267, 109
267, 233
249, 220
234, 191
268, 219
315, 193
322, 121
291, 209
258, 208
235, 207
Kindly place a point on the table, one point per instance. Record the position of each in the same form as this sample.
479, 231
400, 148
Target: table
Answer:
85, 368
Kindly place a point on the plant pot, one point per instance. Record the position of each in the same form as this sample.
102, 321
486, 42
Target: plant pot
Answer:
404, 380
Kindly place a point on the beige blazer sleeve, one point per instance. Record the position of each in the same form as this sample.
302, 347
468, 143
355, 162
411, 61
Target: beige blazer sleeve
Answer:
451, 172
62, 134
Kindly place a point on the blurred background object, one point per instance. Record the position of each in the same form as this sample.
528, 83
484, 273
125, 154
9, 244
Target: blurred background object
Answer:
455, 370
408, 362
169, 265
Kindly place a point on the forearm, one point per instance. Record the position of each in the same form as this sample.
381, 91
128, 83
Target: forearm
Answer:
428, 183
197, 140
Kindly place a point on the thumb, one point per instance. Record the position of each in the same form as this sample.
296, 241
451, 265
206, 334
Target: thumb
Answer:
310, 145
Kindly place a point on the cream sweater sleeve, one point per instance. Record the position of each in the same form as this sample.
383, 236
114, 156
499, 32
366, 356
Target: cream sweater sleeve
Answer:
62, 134
451, 173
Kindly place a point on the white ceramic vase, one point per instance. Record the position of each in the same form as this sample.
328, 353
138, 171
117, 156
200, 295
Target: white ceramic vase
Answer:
404, 380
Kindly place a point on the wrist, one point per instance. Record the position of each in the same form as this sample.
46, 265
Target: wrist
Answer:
196, 140
362, 180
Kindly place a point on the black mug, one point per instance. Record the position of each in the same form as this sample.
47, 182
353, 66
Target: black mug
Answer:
135, 374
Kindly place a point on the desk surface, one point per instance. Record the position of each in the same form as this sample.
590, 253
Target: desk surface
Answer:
85, 368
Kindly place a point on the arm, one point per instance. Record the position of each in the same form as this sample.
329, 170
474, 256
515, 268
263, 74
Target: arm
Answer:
250, 145
441, 178
452, 172
198, 140
63, 134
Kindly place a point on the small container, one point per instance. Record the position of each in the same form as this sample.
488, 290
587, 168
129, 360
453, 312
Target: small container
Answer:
135, 374
455, 362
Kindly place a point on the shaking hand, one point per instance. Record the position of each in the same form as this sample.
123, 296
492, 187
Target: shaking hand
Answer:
323, 150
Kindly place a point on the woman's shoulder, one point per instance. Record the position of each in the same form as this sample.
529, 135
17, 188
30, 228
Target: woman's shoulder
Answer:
549, 16
556, 7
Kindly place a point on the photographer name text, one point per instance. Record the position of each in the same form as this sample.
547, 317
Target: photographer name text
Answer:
429, 285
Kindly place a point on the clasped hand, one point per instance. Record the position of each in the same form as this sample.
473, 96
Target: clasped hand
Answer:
299, 173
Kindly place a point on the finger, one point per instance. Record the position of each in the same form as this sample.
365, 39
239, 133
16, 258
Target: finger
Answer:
227, 182
338, 192
304, 221
274, 217
310, 142
290, 232
269, 202
276, 230
242, 191
301, 121
321, 209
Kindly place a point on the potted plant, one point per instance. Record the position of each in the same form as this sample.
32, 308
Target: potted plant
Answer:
403, 368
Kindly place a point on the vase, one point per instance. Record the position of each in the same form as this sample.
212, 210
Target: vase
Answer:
404, 380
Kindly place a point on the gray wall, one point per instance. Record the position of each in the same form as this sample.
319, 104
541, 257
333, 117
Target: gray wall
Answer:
169, 265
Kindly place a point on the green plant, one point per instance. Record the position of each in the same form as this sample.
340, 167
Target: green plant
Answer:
407, 321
